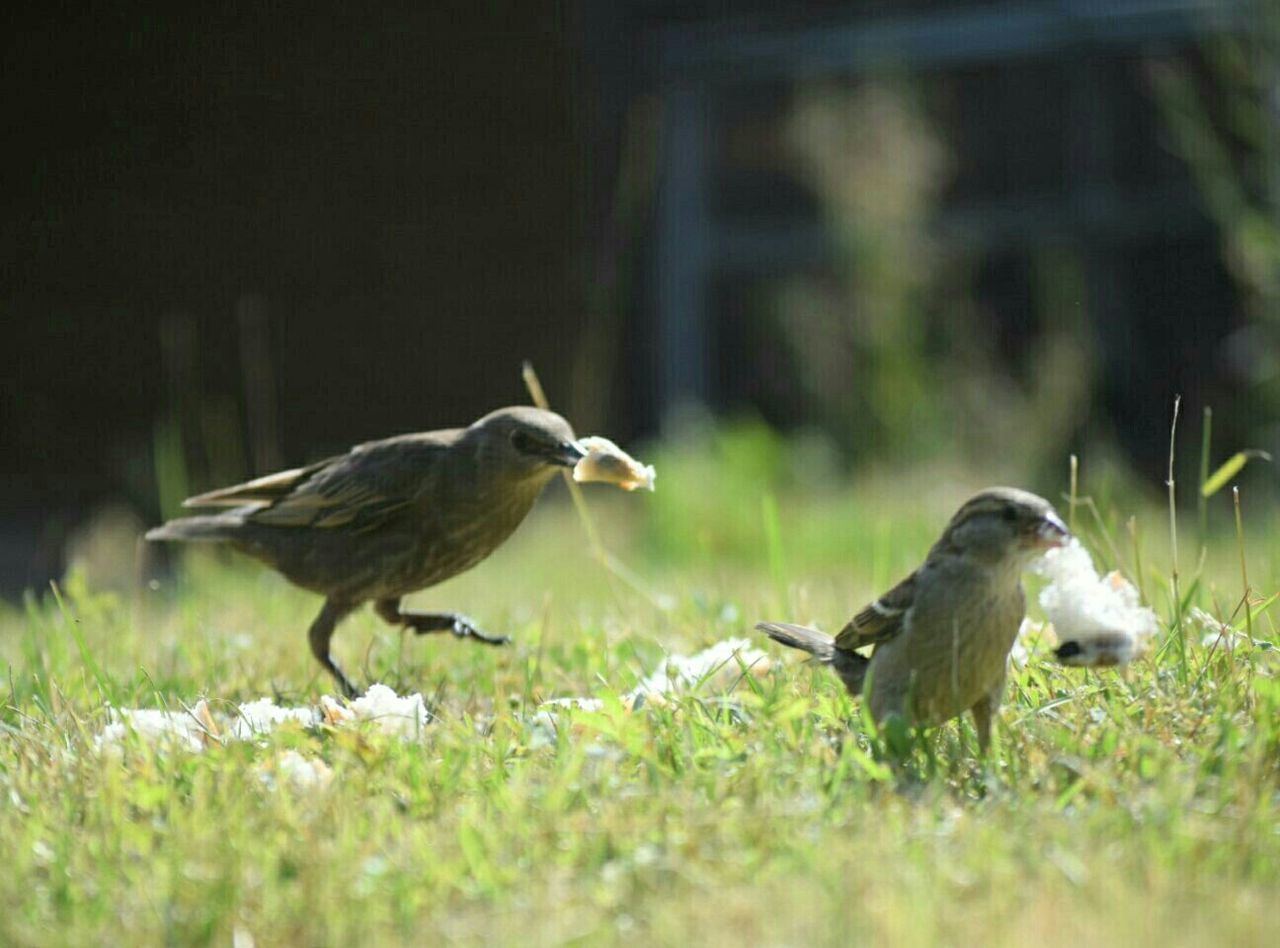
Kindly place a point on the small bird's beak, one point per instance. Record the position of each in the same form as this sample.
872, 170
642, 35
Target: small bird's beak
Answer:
567, 454
1051, 531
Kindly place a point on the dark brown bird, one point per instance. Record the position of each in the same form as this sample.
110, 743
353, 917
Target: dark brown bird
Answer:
390, 517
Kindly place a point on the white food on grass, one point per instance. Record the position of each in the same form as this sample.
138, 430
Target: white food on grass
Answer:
1030, 641
381, 707
297, 772
1098, 620
1223, 635
264, 716
716, 668
194, 729
182, 730
577, 704
719, 665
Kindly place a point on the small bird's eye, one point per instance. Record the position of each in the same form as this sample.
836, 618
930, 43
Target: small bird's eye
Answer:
1010, 514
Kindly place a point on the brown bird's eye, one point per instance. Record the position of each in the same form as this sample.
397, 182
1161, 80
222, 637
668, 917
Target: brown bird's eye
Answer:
524, 442
1009, 514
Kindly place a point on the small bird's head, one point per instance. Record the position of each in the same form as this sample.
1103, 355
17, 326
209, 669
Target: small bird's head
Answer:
527, 442
1003, 523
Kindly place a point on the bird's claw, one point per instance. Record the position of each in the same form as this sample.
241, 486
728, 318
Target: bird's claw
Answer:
465, 629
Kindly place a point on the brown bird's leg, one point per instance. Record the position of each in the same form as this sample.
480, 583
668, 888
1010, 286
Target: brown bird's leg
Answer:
426, 622
321, 632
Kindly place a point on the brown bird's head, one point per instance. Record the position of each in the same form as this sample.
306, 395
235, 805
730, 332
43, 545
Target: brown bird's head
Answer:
525, 443
1004, 524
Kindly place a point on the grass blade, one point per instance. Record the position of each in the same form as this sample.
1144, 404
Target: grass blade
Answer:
1233, 466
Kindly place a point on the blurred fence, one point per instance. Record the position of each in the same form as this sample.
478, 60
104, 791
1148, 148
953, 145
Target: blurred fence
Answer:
920, 228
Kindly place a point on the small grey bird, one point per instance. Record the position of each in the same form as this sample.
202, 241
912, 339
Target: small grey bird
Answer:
940, 639
390, 517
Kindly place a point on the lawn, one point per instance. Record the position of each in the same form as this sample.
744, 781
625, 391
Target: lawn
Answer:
1138, 805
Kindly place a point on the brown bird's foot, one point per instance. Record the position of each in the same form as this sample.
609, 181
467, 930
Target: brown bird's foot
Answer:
458, 624
424, 623
345, 684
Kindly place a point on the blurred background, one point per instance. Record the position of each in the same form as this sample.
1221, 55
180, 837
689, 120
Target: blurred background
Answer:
846, 240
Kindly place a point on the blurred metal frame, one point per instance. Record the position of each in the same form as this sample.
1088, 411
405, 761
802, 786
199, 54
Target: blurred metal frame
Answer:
693, 64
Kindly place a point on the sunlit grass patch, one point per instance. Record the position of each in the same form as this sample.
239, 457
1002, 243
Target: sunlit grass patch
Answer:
1131, 805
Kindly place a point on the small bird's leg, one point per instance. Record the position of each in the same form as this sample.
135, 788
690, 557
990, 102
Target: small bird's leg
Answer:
426, 622
982, 724
320, 633
984, 713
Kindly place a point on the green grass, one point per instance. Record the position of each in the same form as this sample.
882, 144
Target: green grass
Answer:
1140, 805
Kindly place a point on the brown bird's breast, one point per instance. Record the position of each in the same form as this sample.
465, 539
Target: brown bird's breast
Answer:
459, 537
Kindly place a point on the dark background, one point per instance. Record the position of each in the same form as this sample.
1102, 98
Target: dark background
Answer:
285, 233
401, 192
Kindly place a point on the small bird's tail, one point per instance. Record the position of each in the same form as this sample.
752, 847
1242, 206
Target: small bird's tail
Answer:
850, 666
211, 529
818, 644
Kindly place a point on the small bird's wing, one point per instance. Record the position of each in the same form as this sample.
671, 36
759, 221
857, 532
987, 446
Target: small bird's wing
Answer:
359, 490
881, 620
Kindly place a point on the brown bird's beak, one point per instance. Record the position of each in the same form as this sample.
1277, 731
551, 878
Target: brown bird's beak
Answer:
567, 454
1050, 531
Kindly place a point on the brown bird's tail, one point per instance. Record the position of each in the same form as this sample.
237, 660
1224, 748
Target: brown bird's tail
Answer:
849, 665
212, 529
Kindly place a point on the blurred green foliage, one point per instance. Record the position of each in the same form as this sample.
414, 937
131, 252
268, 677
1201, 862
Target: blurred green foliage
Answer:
894, 357
1223, 119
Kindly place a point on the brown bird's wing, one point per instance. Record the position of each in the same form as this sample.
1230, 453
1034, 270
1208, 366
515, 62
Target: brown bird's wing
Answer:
881, 620
358, 491
361, 490
260, 490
